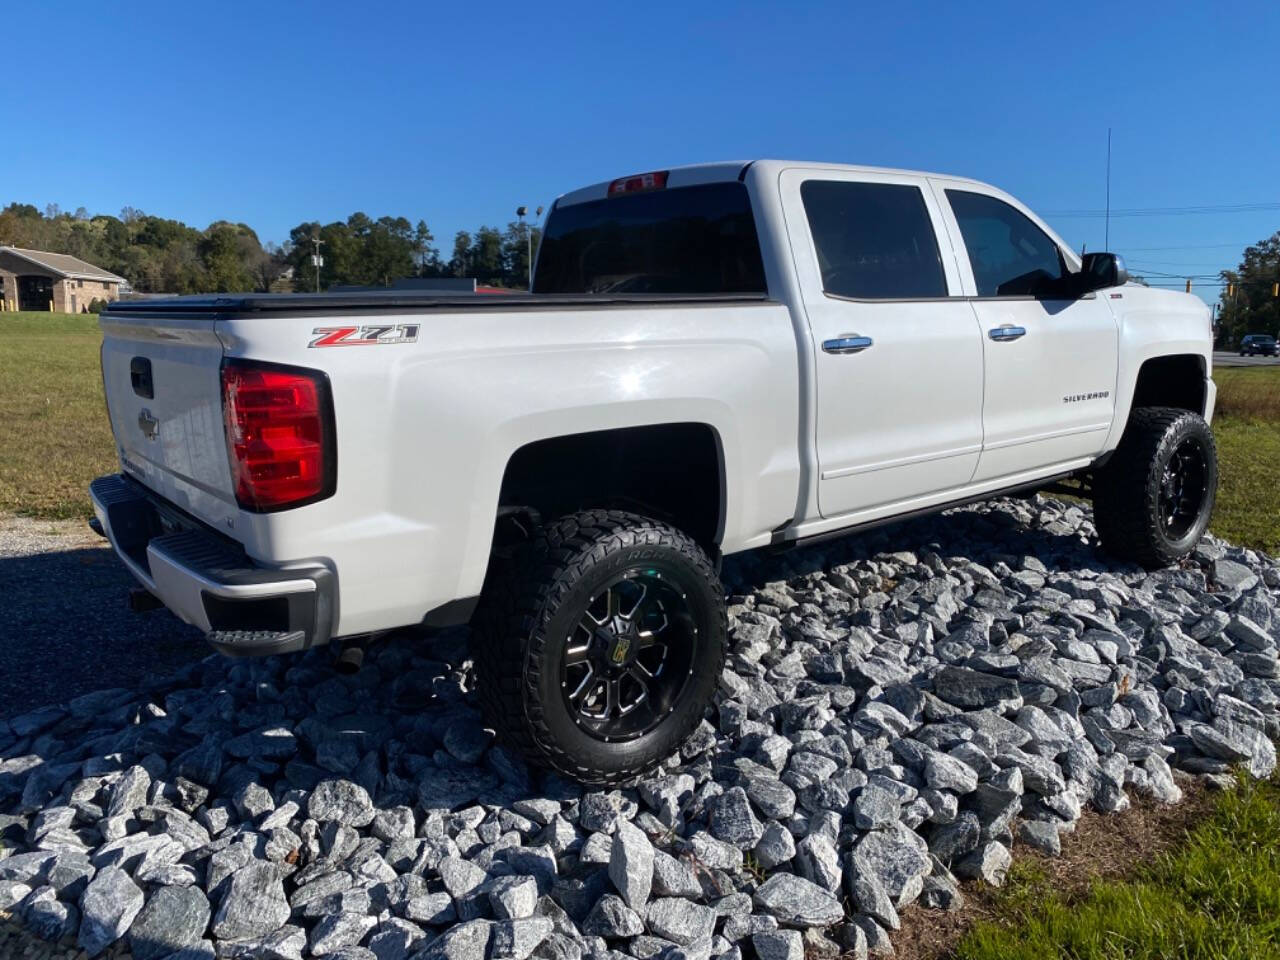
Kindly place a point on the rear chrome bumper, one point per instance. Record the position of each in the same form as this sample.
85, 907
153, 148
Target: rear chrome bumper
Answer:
244, 609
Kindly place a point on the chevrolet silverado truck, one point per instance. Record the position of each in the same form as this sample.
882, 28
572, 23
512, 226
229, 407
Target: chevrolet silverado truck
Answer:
711, 359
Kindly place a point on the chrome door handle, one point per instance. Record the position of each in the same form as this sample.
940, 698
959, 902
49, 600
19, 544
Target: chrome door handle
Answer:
1006, 332
848, 343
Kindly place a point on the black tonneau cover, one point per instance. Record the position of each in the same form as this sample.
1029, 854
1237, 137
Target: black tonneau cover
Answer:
401, 301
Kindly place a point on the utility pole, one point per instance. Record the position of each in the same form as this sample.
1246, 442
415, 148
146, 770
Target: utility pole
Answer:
522, 212
316, 260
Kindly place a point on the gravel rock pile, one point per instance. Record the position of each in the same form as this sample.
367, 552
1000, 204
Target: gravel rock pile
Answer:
888, 723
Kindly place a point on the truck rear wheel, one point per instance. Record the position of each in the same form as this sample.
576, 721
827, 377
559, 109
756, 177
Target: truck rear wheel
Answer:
1153, 498
599, 647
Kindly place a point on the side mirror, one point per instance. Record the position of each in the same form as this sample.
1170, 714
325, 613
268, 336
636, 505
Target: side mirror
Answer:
1101, 270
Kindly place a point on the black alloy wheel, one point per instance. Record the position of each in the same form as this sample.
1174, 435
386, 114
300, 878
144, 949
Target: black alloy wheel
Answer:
629, 656
1183, 488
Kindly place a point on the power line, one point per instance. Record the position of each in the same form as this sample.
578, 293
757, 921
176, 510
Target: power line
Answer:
1167, 211
1179, 276
1204, 289
1205, 282
1199, 246
1174, 263
1197, 277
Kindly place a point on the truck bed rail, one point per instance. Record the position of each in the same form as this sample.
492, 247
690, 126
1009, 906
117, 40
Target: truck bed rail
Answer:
399, 301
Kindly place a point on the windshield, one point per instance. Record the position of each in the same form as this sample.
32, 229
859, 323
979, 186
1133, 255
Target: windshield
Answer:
687, 240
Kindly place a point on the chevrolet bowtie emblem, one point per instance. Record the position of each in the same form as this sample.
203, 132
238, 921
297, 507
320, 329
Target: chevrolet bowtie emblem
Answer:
148, 424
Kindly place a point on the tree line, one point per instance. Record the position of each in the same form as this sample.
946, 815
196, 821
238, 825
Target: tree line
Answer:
1249, 302
157, 255
367, 252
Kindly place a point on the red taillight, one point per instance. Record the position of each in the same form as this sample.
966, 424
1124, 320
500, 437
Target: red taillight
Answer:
639, 183
279, 435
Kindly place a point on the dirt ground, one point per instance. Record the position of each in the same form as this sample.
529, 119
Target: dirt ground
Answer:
1102, 847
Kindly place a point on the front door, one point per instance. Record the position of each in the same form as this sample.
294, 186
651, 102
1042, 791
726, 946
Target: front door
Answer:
898, 362
1050, 355
34, 292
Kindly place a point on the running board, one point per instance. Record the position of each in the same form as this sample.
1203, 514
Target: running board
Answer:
256, 643
780, 542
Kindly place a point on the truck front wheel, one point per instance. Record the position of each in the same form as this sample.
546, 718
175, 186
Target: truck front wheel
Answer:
598, 648
1153, 498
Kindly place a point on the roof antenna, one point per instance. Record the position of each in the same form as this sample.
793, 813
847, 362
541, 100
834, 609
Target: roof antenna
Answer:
1106, 243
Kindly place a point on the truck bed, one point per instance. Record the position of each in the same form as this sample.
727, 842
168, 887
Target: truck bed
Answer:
425, 428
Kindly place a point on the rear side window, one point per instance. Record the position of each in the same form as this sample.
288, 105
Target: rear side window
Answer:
694, 240
874, 241
1010, 255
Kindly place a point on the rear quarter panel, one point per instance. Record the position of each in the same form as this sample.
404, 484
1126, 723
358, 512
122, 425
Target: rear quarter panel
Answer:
425, 430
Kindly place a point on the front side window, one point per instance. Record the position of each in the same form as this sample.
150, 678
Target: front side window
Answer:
687, 240
1010, 255
874, 241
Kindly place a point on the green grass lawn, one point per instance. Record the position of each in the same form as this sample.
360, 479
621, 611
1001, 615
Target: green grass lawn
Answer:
54, 436
1216, 896
1247, 428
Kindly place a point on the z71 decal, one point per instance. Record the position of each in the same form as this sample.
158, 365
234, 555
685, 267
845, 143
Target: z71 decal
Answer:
367, 336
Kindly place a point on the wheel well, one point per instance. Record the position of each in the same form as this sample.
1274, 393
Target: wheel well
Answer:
1174, 381
671, 472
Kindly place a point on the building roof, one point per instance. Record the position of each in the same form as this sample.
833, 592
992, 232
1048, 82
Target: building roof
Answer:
64, 264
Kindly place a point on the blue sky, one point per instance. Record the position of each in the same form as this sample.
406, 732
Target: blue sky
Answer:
274, 113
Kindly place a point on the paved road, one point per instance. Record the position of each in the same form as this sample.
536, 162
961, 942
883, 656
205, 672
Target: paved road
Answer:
1226, 358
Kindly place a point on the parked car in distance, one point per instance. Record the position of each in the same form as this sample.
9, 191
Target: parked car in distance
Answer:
712, 359
1258, 343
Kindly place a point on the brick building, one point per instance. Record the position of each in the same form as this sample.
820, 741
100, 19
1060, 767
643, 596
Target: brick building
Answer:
30, 279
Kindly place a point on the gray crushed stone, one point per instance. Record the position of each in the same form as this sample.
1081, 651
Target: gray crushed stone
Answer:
896, 710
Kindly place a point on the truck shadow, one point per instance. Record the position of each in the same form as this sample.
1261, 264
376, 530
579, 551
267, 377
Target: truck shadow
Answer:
65, 630
1018, 529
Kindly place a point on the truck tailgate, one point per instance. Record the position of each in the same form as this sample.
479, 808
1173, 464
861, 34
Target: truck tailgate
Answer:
162, 378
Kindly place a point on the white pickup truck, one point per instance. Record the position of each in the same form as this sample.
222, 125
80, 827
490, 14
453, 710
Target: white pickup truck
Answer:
712, 359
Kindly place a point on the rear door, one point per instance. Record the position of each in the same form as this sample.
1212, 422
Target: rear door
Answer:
164, 395
898, 361
1050, 356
